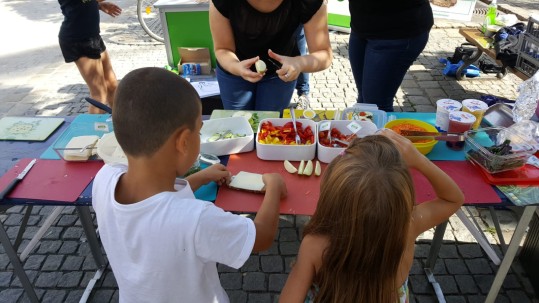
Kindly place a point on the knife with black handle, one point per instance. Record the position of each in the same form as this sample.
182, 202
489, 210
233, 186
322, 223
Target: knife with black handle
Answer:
15, 181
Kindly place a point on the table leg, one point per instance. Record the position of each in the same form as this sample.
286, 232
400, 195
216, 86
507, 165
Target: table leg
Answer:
498, 228
436, 244
41, 231
24, 222
17, 266
512, 249
91, 235
479, 236
467, 62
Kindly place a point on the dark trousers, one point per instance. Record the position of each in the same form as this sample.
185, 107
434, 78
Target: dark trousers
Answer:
379, 66
302, 85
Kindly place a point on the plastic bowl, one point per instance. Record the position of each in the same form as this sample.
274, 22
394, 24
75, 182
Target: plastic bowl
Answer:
425, 147
282, 152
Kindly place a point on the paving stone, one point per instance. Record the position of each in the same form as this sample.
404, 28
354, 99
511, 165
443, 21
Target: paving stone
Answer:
49, 247
10, 295
252, 264
273, 250
67, 220
518, 296
109, 281
72, 263
469, 251
455, 299
448, 284
478, 266
484, 282
73, 233
419, 100
68, 247
53, 233
74, 296
288, 263
70, 279
52, 262
456, 266
224, 268
420, 284
102, 295
259, 298
54, 296
34, 262
231, 281
254, 281
448, 251
288, 234
237, 296
48, 279
39, 293
511, 282
271, 264
466, 284
31, 274
276, 282
289, 248
86, 278
5, 278
89, 263
426, 299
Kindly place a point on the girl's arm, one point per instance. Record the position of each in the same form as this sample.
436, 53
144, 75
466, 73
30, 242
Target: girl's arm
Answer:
302, 275
449, 197
225, 47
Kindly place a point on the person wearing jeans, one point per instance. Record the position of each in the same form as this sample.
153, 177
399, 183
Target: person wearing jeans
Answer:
302, 84
382, 51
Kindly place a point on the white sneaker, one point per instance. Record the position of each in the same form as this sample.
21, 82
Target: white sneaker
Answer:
304, 102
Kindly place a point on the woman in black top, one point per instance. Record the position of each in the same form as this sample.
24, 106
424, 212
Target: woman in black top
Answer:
244, 31
386, 38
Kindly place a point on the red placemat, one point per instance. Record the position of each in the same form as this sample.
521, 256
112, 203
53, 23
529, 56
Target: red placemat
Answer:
526, 175
470, 181
52, 180
303, 191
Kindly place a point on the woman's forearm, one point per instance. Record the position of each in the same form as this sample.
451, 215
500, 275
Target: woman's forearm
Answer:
228, 60
316, 61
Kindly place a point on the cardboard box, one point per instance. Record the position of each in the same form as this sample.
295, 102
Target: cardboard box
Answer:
200, 55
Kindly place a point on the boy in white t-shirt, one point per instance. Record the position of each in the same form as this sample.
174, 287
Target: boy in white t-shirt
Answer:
162, 243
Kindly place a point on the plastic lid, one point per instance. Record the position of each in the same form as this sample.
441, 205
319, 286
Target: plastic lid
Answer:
449, 104
462, 117
474, 105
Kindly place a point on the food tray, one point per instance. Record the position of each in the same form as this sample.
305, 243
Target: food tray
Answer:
379, 117
286, 152
327, 154
61, 149
237, 125
477, 142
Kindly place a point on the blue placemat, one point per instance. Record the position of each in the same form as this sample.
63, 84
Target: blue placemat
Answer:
82, 125
440, 150
207, 192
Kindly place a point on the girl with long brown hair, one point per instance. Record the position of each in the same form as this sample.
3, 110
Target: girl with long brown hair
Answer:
359, 244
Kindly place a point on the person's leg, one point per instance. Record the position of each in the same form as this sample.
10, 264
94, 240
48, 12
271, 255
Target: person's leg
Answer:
273, 94
91, 71
111, 82
302, 84
356, 54
386, 64
236, 93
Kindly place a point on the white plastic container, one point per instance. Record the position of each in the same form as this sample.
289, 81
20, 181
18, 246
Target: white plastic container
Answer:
443, 107
327, 154
365, 112
236, 125
287, 152
109, 150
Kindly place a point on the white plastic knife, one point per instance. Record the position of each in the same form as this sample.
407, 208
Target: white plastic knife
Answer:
15, 181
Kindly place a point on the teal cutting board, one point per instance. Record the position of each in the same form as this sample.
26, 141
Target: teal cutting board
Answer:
440, 150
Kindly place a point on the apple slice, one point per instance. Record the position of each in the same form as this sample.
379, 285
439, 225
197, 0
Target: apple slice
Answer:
290, 167
308, 168
317, 169
301, 167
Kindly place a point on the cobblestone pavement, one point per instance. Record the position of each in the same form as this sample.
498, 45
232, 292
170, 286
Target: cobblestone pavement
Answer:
35, 81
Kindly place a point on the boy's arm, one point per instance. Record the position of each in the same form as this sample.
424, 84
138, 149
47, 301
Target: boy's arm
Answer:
216, 172
449, 197
267, 218
302, 275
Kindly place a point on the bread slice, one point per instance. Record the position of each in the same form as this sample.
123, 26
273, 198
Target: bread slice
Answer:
248, 181
80, 148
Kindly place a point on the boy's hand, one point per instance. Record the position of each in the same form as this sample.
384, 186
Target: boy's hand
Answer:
275, 181
110, 8
217, 173
409, 152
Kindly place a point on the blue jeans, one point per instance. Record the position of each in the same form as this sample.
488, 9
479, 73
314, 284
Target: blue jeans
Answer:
379, 66
270, 93
302, 85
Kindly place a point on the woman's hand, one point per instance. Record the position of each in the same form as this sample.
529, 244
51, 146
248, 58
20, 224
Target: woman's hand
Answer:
243, 69
110, 8
290, 69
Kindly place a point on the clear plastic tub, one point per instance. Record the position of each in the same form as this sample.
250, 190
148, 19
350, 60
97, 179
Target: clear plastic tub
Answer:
480, 148
365, 112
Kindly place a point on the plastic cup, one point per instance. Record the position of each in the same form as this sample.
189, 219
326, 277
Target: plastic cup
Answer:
443, 108
459, 122
476, 108
309, 113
